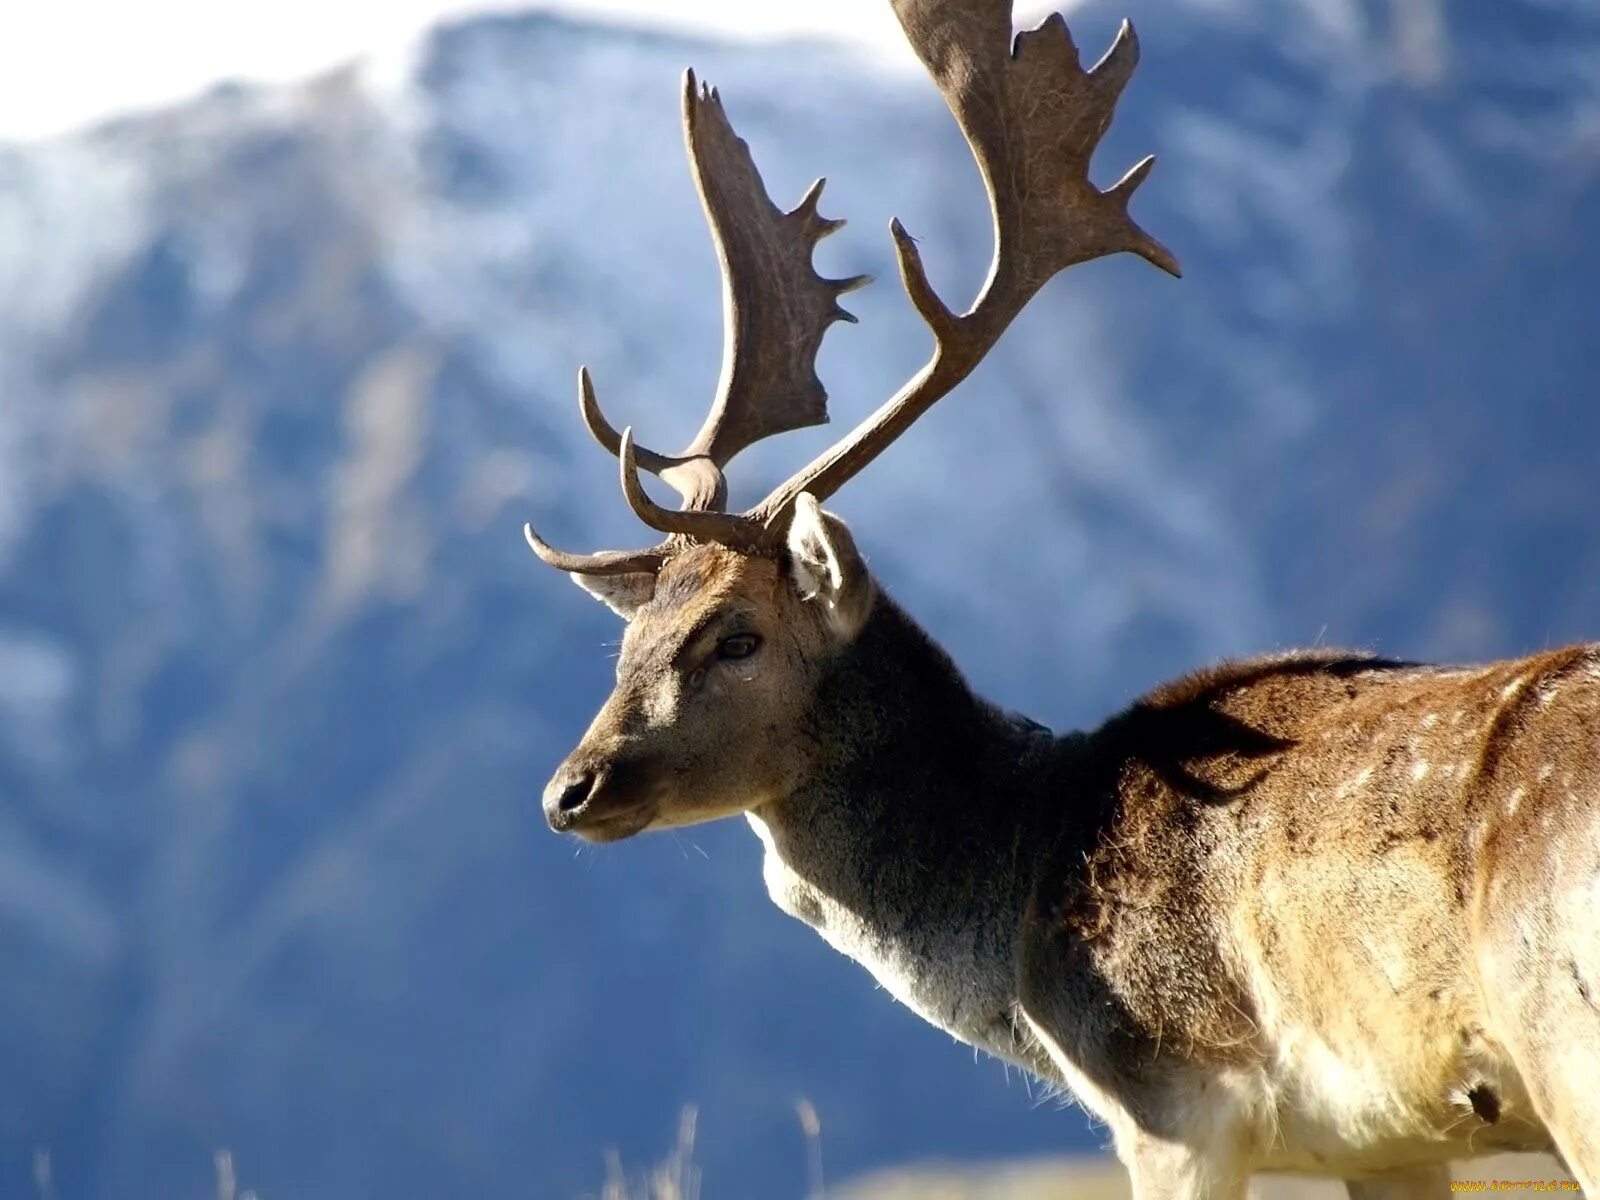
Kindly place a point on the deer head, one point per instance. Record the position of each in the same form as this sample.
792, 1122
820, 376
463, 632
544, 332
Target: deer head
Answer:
734, 617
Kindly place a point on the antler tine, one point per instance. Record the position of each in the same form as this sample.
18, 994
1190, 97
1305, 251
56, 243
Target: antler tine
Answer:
697, 479
605, 433
607, 562
732, 530
1032, 117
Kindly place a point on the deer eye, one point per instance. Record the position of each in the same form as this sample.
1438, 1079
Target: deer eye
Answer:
740, 645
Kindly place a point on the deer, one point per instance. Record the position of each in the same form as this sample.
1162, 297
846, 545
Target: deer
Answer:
1318, 912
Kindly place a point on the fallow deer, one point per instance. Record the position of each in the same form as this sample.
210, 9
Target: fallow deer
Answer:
1319, 913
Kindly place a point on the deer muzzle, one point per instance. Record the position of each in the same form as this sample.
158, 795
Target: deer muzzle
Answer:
597, 798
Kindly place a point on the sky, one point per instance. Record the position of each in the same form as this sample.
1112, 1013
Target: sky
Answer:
65, 63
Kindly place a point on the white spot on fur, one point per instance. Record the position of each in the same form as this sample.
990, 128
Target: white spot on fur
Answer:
1390, 958
1514, 799
1429, 721
1419, 770
1512, 688
1354, 783
1546, 771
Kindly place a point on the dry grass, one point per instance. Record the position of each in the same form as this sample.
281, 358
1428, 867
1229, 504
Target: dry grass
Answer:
677, 1178
1101, 1178
1083, 1177
44, 1177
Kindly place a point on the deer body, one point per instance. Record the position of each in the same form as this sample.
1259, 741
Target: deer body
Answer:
1318, 913
1253, 913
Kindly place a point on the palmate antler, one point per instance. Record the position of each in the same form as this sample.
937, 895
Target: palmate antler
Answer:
776, 309
1032, 117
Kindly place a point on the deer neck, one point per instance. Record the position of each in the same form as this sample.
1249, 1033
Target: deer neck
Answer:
913, 845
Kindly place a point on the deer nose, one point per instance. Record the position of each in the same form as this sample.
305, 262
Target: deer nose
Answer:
566, 794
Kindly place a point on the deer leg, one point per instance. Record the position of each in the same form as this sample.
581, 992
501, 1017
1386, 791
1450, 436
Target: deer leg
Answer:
1558, 1056
1177, 1130
1199, 1161
1568, 1095
1202, 1163
1166, 1170
1541, 968
1419, 1183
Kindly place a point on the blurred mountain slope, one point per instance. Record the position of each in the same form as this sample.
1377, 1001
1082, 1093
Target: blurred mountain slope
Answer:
284, 370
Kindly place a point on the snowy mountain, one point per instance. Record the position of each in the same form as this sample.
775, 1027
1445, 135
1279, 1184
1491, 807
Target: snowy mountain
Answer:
284, 370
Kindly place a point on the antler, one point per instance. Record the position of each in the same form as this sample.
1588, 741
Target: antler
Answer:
775, 306
776, 309
1032, 117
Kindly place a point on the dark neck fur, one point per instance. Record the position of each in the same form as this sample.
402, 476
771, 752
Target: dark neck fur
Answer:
918, 777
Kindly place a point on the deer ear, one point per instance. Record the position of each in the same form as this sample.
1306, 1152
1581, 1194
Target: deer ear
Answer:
622, 594
827, 568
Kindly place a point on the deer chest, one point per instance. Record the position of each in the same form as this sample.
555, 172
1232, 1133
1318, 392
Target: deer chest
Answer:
958, 976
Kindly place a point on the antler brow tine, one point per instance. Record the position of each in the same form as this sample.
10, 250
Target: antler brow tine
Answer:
735, 531
607, 562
